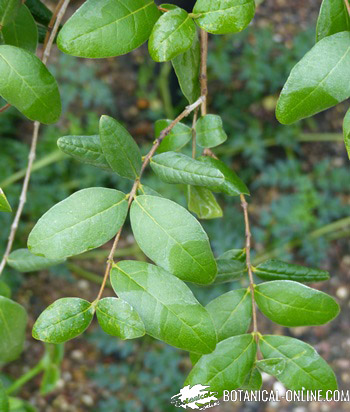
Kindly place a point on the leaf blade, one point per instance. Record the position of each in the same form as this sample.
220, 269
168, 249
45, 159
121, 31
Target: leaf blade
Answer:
4, 204
202, 202
24, 261
178, 137
333, 18
210, 131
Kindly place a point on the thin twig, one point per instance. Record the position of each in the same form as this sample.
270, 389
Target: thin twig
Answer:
51, 25
23, 197
248, 261
5, 107
194, 133
203, 69
347, 5
110, 261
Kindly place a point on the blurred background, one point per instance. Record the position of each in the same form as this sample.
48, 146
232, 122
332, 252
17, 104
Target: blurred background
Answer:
300, 196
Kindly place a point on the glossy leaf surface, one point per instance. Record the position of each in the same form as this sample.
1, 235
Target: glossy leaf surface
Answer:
229, 270
4, 204
210, 131
202, 202
24, 261
333, 18
8, 11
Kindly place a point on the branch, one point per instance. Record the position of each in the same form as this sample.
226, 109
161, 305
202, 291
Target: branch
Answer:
131, 196
59, 12
203, 69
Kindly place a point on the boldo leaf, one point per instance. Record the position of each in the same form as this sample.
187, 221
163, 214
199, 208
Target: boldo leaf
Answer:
85, 220
346, 131
24, 261
319, 81
174, 167
277, 270
210, 131
166, 305
333, 18
8, 11
293, 304
26, 83
172, 35
220, 17
304, 368
231, 313
119, 148
232, 184
179, 136
234, 254
202, 202
170, 236
187, 66
227, 367
253, 381
86, 149
108, 28
40, 12
272, 366
117, 318
22, 31
13, 322
229, 270
65, 319
4, 204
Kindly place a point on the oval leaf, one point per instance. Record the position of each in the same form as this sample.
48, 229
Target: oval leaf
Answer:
40, 12
26, 83
179, 136
170, 236
65, 319
333, 18
172, 35
24, 261
304, 368
234, 254
119, 148
177, 168
202, 202
187, 66
277, 270
210, 131
4, 204
8, 11
231, 313
293, 304
232, 184
229, 270
166, 305
227, 367
346, 131
22, 31
107, 28
117, 318
319, 81
13, 322
220, 17
85, 220
86, 149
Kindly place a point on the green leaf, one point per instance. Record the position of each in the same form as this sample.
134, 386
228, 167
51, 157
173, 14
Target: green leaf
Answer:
166, 305
8, 11
5, 290
172, 35
187, 66
253, 381
232, 184
26, 84
119, 148
293, 304
229, 270
179, 136
227, 367
22, 31
108, 28
174, 167
333, 18
86, 149
202, 202
13, 322
51, 376
85, 220
4, 402
4, 204
210, 131
40, 12
170, 236
24, 261
231, 313
234, 254
117, 318
346, 131
277, 270
19, 405
304, 368
194, 357
146, 190
220, 17
272, 366
319, 81
65, 319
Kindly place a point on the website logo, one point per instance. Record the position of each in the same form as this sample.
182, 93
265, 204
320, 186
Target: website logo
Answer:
197, 397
